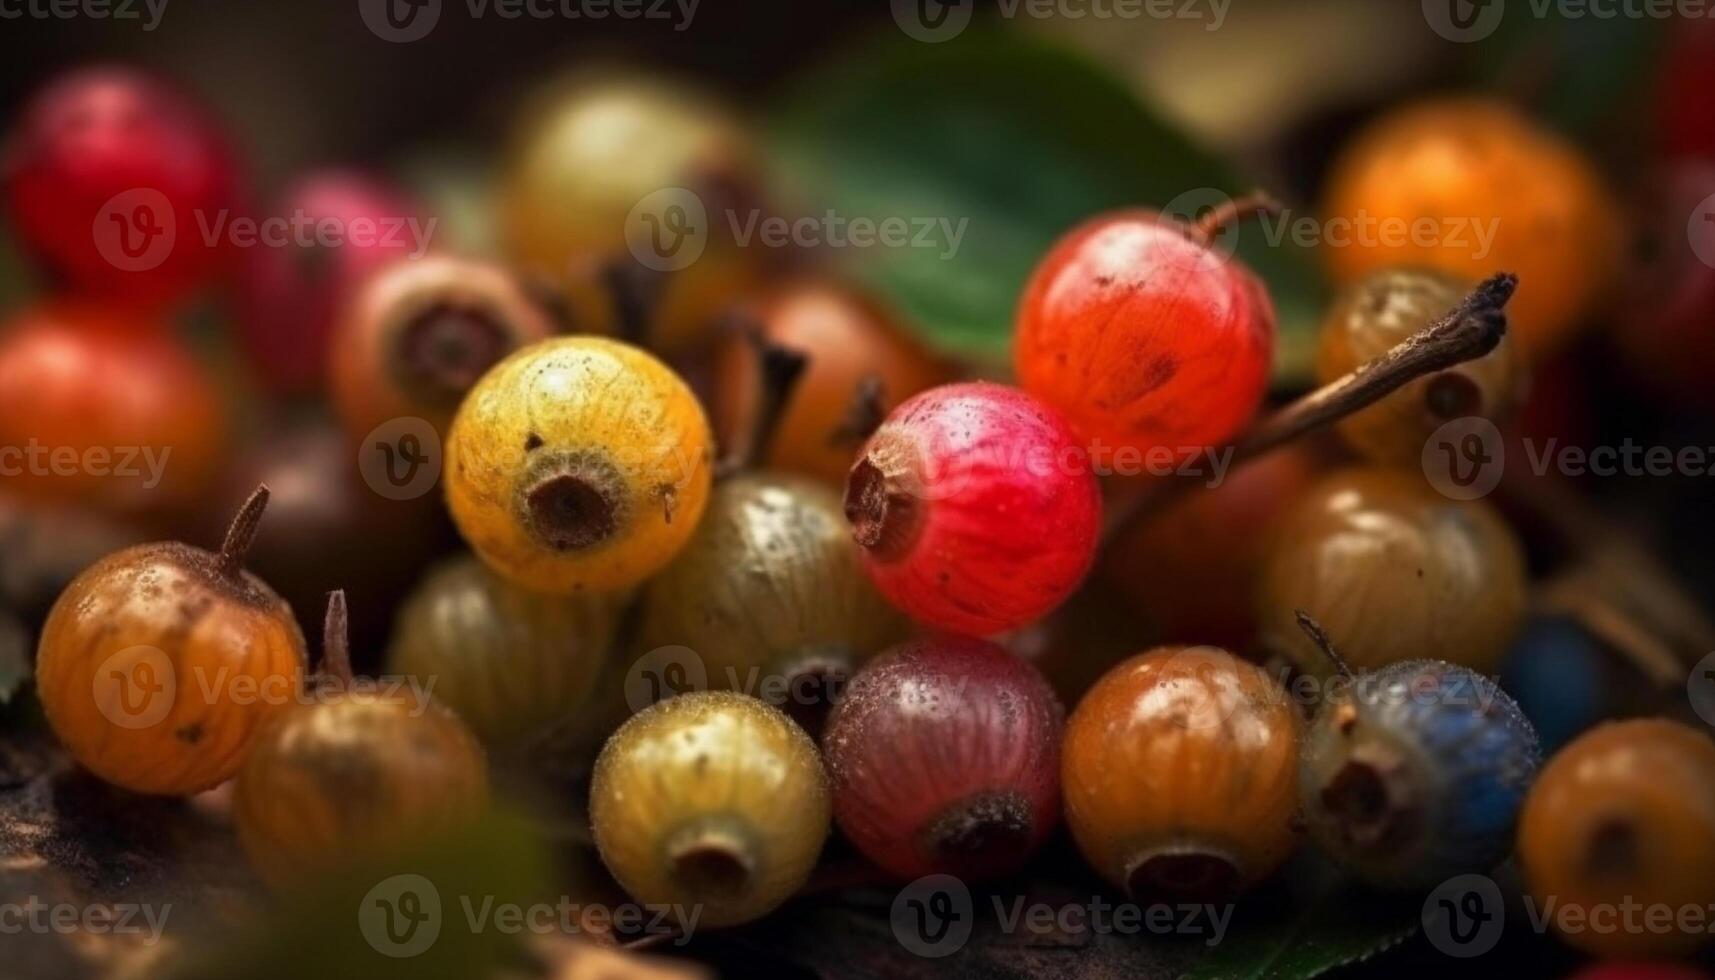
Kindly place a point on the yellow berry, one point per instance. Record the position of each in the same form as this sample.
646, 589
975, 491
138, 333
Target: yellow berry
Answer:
578, 463
713, 799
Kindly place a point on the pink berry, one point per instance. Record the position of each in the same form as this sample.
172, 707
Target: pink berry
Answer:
290, 294
975, 508
944, 756
1144, 335
120, 186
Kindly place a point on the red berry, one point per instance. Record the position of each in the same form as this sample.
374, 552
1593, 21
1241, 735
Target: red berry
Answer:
945, 758
975, 507
1641, 971
1687, 76
291, 294
112, 179
1144, 336
1666, 329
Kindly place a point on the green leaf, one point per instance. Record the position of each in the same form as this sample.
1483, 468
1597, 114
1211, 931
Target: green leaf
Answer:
368, 922
1015, 137
1331, 924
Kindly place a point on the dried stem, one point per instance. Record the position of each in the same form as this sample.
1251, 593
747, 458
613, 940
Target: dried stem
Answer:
1319, 636
636, 291
241, 533
864, 415
336, 642
1466, 332
1209, 226
778, 370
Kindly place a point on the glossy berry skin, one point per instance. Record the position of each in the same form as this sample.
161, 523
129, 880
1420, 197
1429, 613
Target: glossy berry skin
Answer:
1192, 566
159, 665
1558, 675
94, 135
1144, 337
416, 336
1416, 773
975, 507
578, 463
289, 296
770, 596
847, 337
1481, 163
85, 384
1664, 327
1378, 312
710, 798
349, 773
1179, 772
1626, 813
513, 664
944, 757
1396, 572
588, 151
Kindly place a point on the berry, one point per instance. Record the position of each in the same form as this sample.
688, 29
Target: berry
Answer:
107, 161
1415, 774
1381, 310
1396, 570
1180, 772
850, 342
976, 510
417, 335
1641, 971
1192, 566
353, 770
769, 592
590, 151
944, 757
1556, 672
711, 799
290, 295
105, 410
1625, 815
160, 663
1499, 192
578, 463
326, 526
1663, 329
514, 665
1144, 336
1687, 69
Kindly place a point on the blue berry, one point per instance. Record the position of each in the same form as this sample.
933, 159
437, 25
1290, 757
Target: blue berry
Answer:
1415, 773
1555, 671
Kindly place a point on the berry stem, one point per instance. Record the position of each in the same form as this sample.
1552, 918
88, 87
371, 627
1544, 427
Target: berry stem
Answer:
1209, 227
1319, 636
636, 291
779, 369
1466, 332
336, 640
864, 415
241, 533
